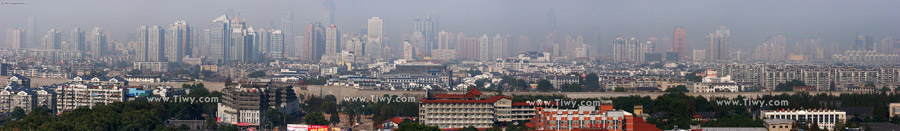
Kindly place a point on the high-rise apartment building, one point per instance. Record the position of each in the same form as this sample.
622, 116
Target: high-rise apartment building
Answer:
78, 41
332, 40
16, 38
179, 41
52, 41
484, 48
31, 32
630, 50
151, 44
276, 46
864, 42
98, 43
717, 44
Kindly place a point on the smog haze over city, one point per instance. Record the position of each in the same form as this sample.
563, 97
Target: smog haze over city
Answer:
458, 65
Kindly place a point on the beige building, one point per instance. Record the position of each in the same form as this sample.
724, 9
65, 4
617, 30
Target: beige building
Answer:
894, 109
454, 111
70, 96
778, 124
824, 117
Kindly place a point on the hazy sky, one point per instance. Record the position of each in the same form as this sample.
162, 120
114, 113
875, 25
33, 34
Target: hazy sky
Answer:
750, 21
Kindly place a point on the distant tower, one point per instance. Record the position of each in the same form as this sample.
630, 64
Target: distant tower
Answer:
864, 42
16, 38
276, 49
332, 40
551, 20
374, 40
151, 42
326, 14
31, 32
52, 41
287, 27
484, 48
315, 42
179, 44
679, 42
717, 44
78, 40
98, 43
779, 47
219, 36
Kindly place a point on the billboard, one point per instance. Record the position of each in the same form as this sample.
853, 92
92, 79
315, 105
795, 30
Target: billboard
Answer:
304, 127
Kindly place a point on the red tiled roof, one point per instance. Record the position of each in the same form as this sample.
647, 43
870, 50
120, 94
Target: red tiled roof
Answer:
473, 92
451, 96
488, 100
641, 125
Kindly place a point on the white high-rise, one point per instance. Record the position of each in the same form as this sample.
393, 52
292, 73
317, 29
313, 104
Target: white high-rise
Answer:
78, 40
484, 48
52, 41
497, 47
219, 37
374, 37
151, 42
16, 38
98, 43
332, 40
276, 46
179, 41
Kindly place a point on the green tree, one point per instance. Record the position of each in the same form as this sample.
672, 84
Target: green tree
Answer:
315, 118
789, 86
572, 87
679, 88
619, 89
544, 85
17, 114
335, 119
257, 74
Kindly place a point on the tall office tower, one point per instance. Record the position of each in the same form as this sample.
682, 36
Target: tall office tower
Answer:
52, 41
484, 48
679, 42
315, 42
779, 47
551, 20
287, 27
549, 44
179, 44
151, 44
98, 43
241, 45
31, 32
717, 44
16, 38
864, 42
524, 42
219, 36
326, 13
276, 48
332, 40
198, 43
509, 49
446, 40
656, 45
886, 46
263, 36
374, 37
251, 46
78, 40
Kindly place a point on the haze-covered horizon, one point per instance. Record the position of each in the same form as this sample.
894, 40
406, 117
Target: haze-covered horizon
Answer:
750, 22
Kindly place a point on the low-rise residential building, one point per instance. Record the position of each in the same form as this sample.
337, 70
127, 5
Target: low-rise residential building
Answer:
73, 95
778, 124
19, 79
15, 96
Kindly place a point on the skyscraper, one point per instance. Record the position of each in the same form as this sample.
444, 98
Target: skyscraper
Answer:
16, 38
179, 43
287, 27
717, 44
374, 37
276, 47
315, 42
332, 40
886, 46
484, 48
219, 36
241, 47
630, 50
679, 42
497, 47
78, 40
151, 44
31, 32
52, 41
98, 43
446, 40
326, 14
